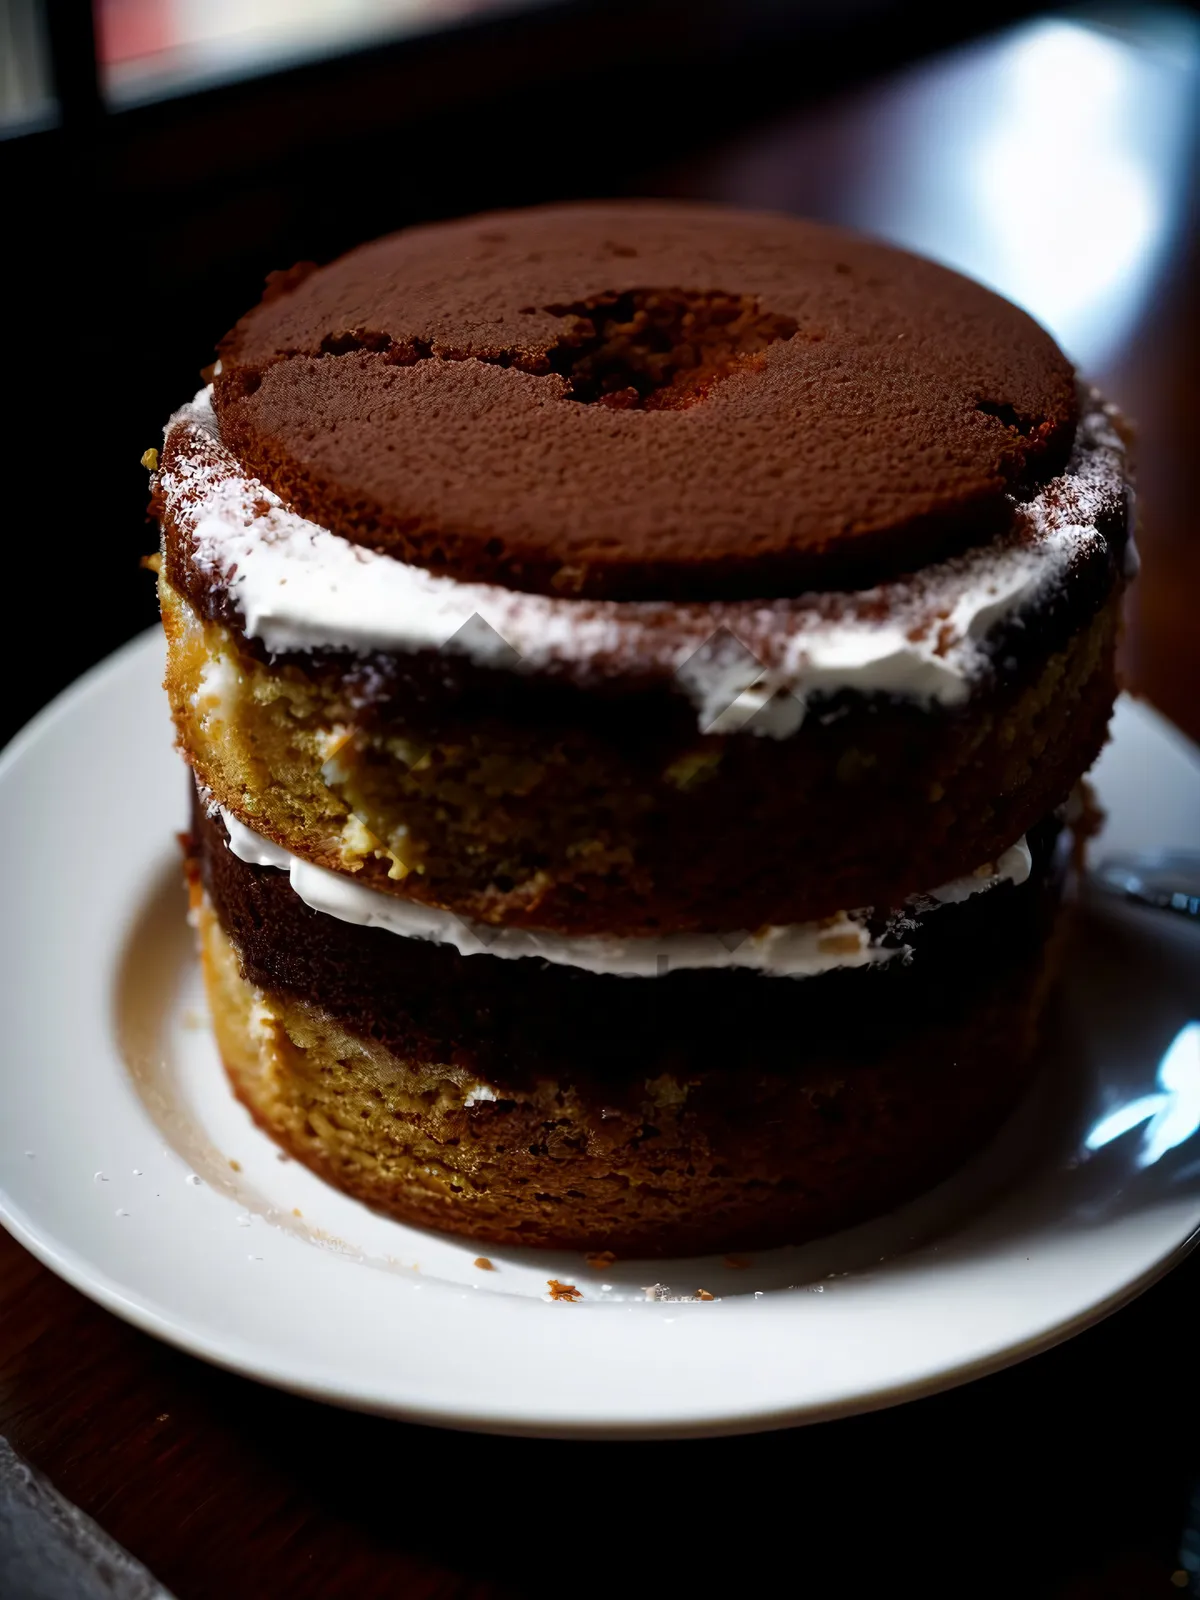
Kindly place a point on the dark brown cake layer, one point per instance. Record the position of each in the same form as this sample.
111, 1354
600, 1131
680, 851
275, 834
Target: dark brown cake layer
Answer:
513, 1022
646, 400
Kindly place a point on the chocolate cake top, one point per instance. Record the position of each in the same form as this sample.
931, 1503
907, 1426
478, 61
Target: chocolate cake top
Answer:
646, 400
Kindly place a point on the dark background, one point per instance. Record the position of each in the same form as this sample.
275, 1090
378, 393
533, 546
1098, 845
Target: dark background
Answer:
137, 236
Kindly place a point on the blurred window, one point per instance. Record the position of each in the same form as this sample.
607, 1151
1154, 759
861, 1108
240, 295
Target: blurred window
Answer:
151, 48
26, 94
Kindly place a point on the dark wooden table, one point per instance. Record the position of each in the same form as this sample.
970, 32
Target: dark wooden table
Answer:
1076, 1474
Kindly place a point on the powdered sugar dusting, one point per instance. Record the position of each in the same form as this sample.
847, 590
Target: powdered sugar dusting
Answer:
743, 664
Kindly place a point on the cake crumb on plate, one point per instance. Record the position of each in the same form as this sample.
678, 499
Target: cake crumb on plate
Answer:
563, 1291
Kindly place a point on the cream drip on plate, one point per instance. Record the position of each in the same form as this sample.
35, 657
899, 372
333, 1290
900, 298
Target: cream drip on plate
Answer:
802, 950
745, 664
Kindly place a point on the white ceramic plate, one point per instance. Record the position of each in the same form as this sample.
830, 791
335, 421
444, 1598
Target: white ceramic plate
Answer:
128, 1168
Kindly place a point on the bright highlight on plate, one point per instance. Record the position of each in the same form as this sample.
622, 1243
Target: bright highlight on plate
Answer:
1168, 1118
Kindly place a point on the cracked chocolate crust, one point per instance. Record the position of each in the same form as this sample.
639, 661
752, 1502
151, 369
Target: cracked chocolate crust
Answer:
646, 401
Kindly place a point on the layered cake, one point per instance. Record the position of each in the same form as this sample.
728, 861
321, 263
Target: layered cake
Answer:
635, 662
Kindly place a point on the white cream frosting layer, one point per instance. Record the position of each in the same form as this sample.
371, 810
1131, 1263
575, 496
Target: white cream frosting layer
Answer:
751, 664
800, 951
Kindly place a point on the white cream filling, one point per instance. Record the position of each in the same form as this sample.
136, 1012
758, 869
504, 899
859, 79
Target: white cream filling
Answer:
299, 587
800, 951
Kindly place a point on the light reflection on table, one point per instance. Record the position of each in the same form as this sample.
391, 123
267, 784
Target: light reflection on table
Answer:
1050, 163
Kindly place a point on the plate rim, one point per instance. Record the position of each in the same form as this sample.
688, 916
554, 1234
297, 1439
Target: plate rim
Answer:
98, 1287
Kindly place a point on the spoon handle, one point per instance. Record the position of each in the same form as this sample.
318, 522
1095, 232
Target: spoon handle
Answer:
1165, 881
